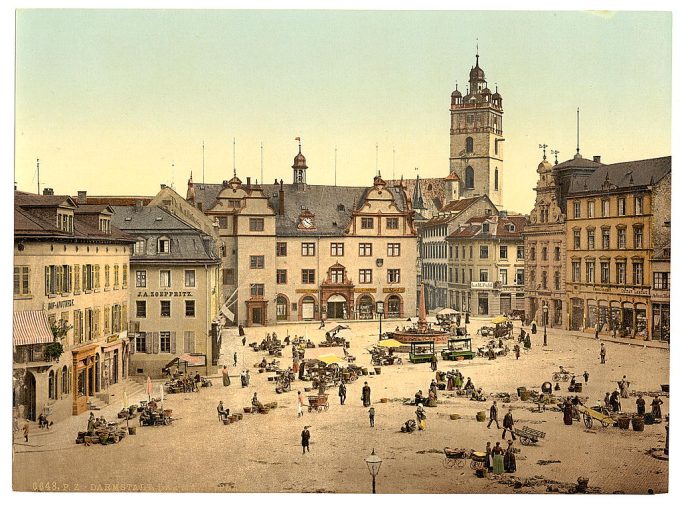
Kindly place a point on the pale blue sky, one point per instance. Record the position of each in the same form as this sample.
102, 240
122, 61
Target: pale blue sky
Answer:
109, 100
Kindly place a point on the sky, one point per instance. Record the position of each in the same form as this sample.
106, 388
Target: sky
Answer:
120, 101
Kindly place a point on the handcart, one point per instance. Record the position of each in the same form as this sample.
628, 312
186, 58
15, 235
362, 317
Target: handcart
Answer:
528, 435
590, 413
455, 458
317, 403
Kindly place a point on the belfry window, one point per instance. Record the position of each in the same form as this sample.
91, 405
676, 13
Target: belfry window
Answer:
469, 177
495, 180
469, 144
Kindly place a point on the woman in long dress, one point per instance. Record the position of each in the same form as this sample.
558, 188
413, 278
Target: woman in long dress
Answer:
225, 376
509, 461
420, 416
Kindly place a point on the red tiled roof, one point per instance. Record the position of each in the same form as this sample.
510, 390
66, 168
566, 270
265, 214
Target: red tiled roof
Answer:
32, 327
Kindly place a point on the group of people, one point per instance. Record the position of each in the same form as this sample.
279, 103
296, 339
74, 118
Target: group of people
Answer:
508, 421
499, 460
93, 423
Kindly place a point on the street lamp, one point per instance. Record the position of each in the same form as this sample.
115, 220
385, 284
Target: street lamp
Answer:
380, 309
373, 462
545, 323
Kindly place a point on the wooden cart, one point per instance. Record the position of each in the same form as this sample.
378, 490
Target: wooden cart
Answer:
458, 348
317, 403
528, 435
421, 352
590, 413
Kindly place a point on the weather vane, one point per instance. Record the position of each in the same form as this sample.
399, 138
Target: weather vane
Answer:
543, 146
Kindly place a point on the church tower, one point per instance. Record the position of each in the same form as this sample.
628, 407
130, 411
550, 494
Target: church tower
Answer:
477, 138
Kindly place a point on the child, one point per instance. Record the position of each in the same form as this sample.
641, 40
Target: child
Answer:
371, 416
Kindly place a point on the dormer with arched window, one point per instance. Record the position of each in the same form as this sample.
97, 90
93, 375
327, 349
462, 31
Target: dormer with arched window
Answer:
163, 245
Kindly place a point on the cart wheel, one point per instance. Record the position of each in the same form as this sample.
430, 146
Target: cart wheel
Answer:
588, 421
449, 462
459, 463
327, 407
524, 440
309, 409
605, 424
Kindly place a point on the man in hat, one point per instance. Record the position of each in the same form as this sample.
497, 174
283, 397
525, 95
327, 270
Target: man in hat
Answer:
493, 416
235, 358
508, 424
342, 392
603, 353
305, 439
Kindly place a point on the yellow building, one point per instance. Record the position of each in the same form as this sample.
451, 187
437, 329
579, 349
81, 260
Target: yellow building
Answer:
174, 291
70, 304
610, 246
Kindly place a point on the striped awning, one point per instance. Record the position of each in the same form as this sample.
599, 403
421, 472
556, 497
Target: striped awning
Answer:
32, 327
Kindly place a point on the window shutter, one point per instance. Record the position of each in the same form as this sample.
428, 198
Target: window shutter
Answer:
132, 345
47, 280
173, 343
156, 342
147, 343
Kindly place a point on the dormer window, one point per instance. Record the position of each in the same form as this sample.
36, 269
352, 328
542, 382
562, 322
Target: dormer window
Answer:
104, 225
140, 246
485, 227
233, 203
511, 227
65, 222
163, 245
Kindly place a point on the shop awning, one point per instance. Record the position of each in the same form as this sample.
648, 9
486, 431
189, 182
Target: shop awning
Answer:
32, 327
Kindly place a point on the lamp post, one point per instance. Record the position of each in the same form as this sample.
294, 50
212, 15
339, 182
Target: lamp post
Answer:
380, 309
545, 323
373, 462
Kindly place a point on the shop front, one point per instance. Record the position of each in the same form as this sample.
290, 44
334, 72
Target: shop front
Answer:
84, 359
113, 358
365, 307
661, 321
577, 314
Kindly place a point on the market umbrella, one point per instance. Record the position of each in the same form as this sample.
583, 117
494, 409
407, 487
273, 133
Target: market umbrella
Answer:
330, 358
432, 319
499, 320
125, 406
447, 312
344, 333
389, 342
160, 386
149, 387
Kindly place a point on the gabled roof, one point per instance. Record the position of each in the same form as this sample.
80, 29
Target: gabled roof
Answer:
452, 209
150, 218
499, 227
624, 175
24, 199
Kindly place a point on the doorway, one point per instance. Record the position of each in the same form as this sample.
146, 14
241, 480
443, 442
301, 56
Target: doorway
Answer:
337, 307
257, 315
30, 397
308, 308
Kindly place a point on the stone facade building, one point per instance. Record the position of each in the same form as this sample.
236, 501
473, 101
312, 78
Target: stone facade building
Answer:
174, 292
434, 250
486, 265
295, 252
613, 236
545, 240
70, 304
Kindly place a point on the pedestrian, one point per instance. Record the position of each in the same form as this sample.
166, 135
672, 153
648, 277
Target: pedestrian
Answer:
603, 353
640, 402
585, 376
533, 327
235, 358
597, 332
366, 395
90, 424
299, 405
243, 379
508, 424
247, 377
607, 401
305, 439
493, 416
371, 416
323, 323
497, 453
342, 392
26, 429
567, 412
243, 341
225, 376
614, 401
517, 351
656, 407
241, 331
509, 460
420, 417
433, 362
489, 456
623, 387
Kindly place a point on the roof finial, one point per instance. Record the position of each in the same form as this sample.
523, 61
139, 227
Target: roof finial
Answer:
555, 152
477, 54
299, 145
234, 155
543, 146
578, 128
456, 85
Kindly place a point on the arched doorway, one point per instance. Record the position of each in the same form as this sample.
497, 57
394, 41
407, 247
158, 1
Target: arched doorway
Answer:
393, 306
365, 307
281, 308
307, 308
337, 307
29, 388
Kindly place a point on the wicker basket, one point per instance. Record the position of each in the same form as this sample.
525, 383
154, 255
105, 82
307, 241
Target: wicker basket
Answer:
247, 410
481, 416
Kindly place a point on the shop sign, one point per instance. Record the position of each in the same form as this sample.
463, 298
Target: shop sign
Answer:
306, 291
61, 304
635, 291
145, 294
111, 338
481, 285
394, 290
364, 290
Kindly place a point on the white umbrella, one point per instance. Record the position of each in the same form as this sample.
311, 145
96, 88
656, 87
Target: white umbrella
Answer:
447, 312
149, 387
160, 386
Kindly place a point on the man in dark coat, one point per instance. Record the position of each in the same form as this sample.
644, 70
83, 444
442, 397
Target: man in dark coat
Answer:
342, 393
508, 424
603, 353
366, 395
640, 402
241, 332
493, 416
509, 460
433, 362
305, 439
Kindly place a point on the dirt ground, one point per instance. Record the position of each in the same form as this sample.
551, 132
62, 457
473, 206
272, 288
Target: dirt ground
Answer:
262, 453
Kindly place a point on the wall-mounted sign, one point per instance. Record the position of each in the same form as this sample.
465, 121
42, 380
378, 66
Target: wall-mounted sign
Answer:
481, 285
111, 338
364, 290
394, 290
307, 291
61, 304
144, 294
635, 291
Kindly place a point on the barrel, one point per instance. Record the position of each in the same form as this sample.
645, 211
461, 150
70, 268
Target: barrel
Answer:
520, 390
578, 387
638, 423
481, 416
623, 422
378, 370
132, 430
524, 396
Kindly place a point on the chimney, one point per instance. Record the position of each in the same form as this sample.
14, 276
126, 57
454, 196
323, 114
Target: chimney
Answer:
225, 183
163, 186
48, 192
247, 181
503, 213
596, 159
82, 196
139, 204
281, 199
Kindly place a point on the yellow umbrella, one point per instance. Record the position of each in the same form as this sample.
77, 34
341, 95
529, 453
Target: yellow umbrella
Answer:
390, 342
330, 358
499, 320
